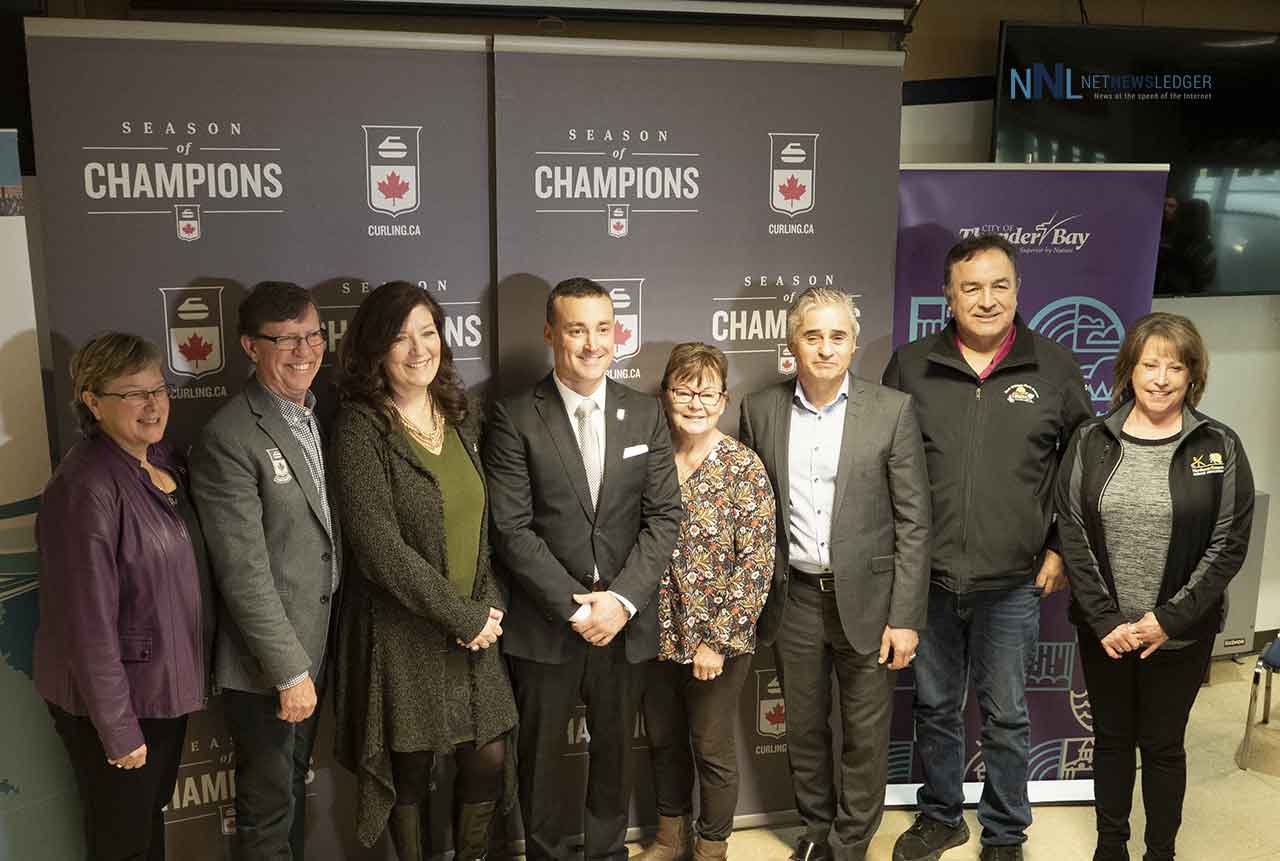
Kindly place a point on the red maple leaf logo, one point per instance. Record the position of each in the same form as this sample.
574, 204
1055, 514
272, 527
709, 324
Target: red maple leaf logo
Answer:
777, 715
188, 228
618, 225
393, 188
195, 349
621, 334
791, 189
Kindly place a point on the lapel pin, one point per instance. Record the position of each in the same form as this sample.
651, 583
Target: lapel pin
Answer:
622, 415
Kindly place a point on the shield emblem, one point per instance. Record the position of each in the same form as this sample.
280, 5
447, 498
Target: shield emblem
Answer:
187, 216
193, 324
786, 360
771, 713
792, 172
625, 293
279, 466
619, 219
391, 162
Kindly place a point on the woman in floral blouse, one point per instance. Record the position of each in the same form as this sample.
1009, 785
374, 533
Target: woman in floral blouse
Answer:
708, 603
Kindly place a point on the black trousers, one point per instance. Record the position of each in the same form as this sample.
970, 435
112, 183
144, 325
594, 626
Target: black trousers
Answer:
1143, 704
123, 808
546, 695
811, 643
679, 709
272, 760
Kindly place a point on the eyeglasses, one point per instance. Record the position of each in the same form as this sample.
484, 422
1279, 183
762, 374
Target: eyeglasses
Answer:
140, 396
289, 343
709, 397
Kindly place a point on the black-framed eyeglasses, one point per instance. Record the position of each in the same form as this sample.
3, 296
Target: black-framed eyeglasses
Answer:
140, 396
709, 397
288, 343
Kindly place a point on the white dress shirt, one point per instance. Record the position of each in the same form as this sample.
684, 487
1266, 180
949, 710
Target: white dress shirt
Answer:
572, 400
813, 459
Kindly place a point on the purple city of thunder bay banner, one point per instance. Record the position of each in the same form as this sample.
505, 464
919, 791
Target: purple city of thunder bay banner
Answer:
1087, 237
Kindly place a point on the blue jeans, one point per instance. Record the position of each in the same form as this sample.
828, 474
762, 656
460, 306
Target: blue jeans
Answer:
987, 638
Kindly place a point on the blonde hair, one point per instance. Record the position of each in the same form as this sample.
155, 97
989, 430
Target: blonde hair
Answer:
1181, 334
814, 297
102, 359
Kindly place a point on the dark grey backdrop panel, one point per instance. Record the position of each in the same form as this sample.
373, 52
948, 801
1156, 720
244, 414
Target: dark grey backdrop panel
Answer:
704, 186
175, 164
340, 164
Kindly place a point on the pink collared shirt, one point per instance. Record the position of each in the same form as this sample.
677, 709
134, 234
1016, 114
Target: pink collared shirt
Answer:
1005, 346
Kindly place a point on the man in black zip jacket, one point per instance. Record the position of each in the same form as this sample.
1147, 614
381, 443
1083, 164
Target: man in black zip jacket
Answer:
997, 403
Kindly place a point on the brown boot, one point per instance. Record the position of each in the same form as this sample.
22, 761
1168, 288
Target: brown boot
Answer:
405, 827
710, 850
471, 830
673, 843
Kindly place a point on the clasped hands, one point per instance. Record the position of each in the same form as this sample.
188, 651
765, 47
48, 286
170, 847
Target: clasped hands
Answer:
489, 634
1131, 636
606, 619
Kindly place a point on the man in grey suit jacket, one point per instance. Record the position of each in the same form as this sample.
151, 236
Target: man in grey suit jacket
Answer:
852, 576
257, 475
586, 509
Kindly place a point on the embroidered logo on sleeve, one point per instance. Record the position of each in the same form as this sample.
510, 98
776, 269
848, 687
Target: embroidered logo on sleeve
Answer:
1207, 464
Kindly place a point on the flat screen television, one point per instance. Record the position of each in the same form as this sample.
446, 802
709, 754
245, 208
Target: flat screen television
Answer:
1202, 100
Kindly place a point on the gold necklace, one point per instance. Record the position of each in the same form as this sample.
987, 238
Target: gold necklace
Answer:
432, 440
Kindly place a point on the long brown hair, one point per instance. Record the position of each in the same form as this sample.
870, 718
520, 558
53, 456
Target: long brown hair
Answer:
374, 328
1181, 334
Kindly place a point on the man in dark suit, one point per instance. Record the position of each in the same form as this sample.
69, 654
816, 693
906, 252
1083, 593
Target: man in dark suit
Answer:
852, 576
258, 479
586, 509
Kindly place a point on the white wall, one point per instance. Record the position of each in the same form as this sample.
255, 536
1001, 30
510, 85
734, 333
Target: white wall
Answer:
1243, 336
1241, 332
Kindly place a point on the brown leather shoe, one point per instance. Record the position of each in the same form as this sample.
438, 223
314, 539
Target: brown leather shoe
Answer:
673, 843
710, 850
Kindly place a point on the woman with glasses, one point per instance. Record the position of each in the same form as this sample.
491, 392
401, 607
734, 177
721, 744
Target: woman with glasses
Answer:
419, 675
710, 597
126, 622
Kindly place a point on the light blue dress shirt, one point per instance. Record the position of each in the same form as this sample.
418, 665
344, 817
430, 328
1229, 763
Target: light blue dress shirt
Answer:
813, 458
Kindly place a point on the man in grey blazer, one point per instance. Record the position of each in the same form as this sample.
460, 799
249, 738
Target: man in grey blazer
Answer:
257, 475
852, 576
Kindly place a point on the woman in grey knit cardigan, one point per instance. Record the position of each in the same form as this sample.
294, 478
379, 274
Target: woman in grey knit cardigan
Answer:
418, 668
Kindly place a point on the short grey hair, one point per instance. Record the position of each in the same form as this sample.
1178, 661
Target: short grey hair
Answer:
814, 297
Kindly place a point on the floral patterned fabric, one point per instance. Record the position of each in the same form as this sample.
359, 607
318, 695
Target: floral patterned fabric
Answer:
719, 576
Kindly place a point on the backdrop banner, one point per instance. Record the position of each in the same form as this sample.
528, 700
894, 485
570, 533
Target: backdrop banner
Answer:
182, 164
1087, 237
704, 216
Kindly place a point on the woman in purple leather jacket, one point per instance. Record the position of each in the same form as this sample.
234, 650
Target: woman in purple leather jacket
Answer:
125, 608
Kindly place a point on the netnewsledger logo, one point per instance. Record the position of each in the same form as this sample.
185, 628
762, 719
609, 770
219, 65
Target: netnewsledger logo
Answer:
1064, 83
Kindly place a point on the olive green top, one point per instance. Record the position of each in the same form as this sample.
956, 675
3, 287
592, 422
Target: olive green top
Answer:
463, 494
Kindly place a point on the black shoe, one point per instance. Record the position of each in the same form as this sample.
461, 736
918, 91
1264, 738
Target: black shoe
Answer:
1001, 853
1111, 853
928, 838
807, 850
